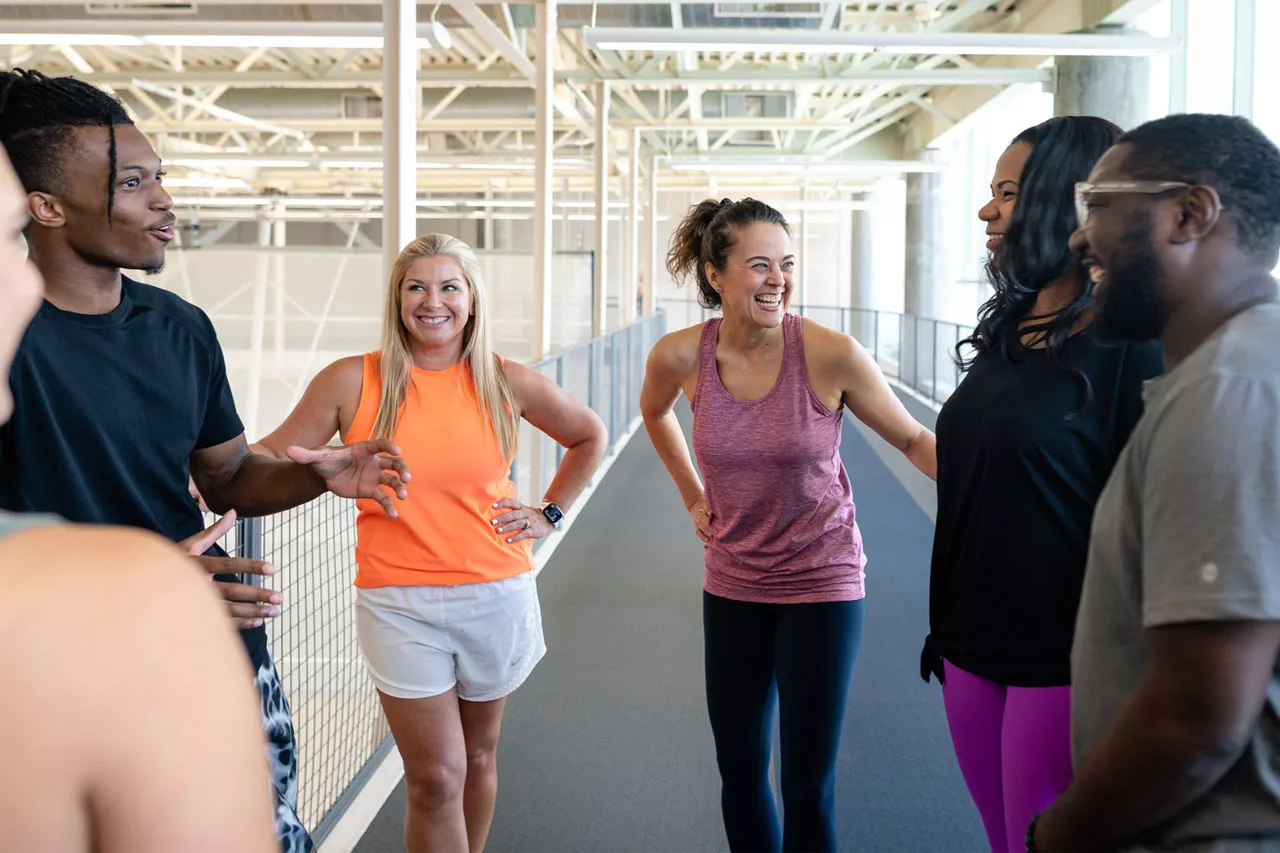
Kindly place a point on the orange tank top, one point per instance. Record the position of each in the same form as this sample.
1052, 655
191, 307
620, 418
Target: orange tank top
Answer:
444, 535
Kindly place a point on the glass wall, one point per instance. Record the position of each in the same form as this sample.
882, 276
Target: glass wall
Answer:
970, 151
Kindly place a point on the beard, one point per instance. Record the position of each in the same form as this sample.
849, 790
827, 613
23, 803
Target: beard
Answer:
1129, 307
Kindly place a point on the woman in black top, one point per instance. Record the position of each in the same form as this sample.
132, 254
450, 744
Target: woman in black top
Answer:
1025, 445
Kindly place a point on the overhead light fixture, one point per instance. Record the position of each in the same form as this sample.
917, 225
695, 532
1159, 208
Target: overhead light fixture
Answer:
498, 202
873, 167
247, 34
199, 180
660, 40
589, 204
240, 162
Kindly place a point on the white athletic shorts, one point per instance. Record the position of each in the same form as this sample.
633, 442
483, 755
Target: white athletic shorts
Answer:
419, 641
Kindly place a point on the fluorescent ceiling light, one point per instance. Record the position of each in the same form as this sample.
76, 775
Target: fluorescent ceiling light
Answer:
245, 34
515, 167
496, 202
588, 204
662, 40
878, 167
206, 182
67, 39
239, 162
370, 164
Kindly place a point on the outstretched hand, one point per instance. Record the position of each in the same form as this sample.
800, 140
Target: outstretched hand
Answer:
359, 470
247, 605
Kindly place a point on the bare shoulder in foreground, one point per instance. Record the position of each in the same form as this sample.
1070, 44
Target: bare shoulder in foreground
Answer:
128, 720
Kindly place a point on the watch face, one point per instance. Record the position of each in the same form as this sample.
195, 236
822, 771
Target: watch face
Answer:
553, 513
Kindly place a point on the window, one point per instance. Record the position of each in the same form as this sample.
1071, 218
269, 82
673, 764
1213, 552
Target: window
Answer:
1210, 55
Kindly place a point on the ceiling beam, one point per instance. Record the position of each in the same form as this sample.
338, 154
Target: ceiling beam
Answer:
497, 39
428, 78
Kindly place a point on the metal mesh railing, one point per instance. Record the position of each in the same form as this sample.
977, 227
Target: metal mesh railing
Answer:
916, 352
605, 373
338, 720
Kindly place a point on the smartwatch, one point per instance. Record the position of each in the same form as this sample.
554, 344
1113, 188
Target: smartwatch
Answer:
552, 513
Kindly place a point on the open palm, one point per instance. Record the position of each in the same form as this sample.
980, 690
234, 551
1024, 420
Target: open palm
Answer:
359, 470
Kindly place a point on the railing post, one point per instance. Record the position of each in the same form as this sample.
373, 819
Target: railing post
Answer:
933, 370
249, 532
560, 383
613, 385
875, 335
915, 353
591, 374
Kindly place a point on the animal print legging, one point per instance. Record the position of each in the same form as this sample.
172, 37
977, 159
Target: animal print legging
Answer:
282, 752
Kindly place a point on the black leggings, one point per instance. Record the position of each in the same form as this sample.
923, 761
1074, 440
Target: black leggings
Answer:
807, 651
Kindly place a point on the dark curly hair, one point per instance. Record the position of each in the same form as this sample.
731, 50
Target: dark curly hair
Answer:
1034, 251
705, 236
36, 115
1224, 152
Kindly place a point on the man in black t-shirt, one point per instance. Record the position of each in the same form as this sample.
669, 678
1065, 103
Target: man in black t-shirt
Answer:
120, 388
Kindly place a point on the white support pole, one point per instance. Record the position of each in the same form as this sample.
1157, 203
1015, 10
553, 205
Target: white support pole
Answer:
1242, 100
653, 259
599, 311
278, 274
627, 296
488, 215
804, 244
399, 128
544, 139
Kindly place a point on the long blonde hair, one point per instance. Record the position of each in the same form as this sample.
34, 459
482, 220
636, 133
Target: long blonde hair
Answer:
492, 388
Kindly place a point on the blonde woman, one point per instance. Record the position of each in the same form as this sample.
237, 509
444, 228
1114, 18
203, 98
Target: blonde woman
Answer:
447, 610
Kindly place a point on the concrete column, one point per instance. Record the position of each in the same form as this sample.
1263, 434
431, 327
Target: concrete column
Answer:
862, 278
600, 300
399, 128
544, 174
925, 234
1112, 87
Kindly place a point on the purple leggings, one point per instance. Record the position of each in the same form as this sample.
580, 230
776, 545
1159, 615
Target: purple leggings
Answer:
1014, 749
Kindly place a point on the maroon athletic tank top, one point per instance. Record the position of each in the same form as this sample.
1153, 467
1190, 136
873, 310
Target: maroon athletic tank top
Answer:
784, 528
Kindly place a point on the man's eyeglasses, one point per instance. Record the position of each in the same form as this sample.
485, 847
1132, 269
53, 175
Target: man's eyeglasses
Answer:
1086, 191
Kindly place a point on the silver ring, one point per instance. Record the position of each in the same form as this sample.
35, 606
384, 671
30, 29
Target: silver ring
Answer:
526, 524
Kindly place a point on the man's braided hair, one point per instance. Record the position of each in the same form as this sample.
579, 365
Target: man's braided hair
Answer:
37, 115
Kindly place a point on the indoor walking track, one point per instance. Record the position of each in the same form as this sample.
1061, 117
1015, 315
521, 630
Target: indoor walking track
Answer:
607, 746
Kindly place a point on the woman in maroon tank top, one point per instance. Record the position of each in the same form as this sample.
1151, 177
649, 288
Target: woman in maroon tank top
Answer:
782, 594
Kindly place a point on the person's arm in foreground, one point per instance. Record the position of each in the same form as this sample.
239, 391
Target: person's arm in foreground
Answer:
129, 710
1180, 731
572, 424
1210, 547
230, 475
671, 359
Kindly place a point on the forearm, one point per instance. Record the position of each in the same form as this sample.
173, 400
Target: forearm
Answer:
922, 452
668, 441
1147, 767
262, 486
575, 471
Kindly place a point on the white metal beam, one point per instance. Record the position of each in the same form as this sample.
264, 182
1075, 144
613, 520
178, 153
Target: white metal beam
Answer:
219, 112
652, 263
485, 26
544, 135
599, 306
399, 129
627, 292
